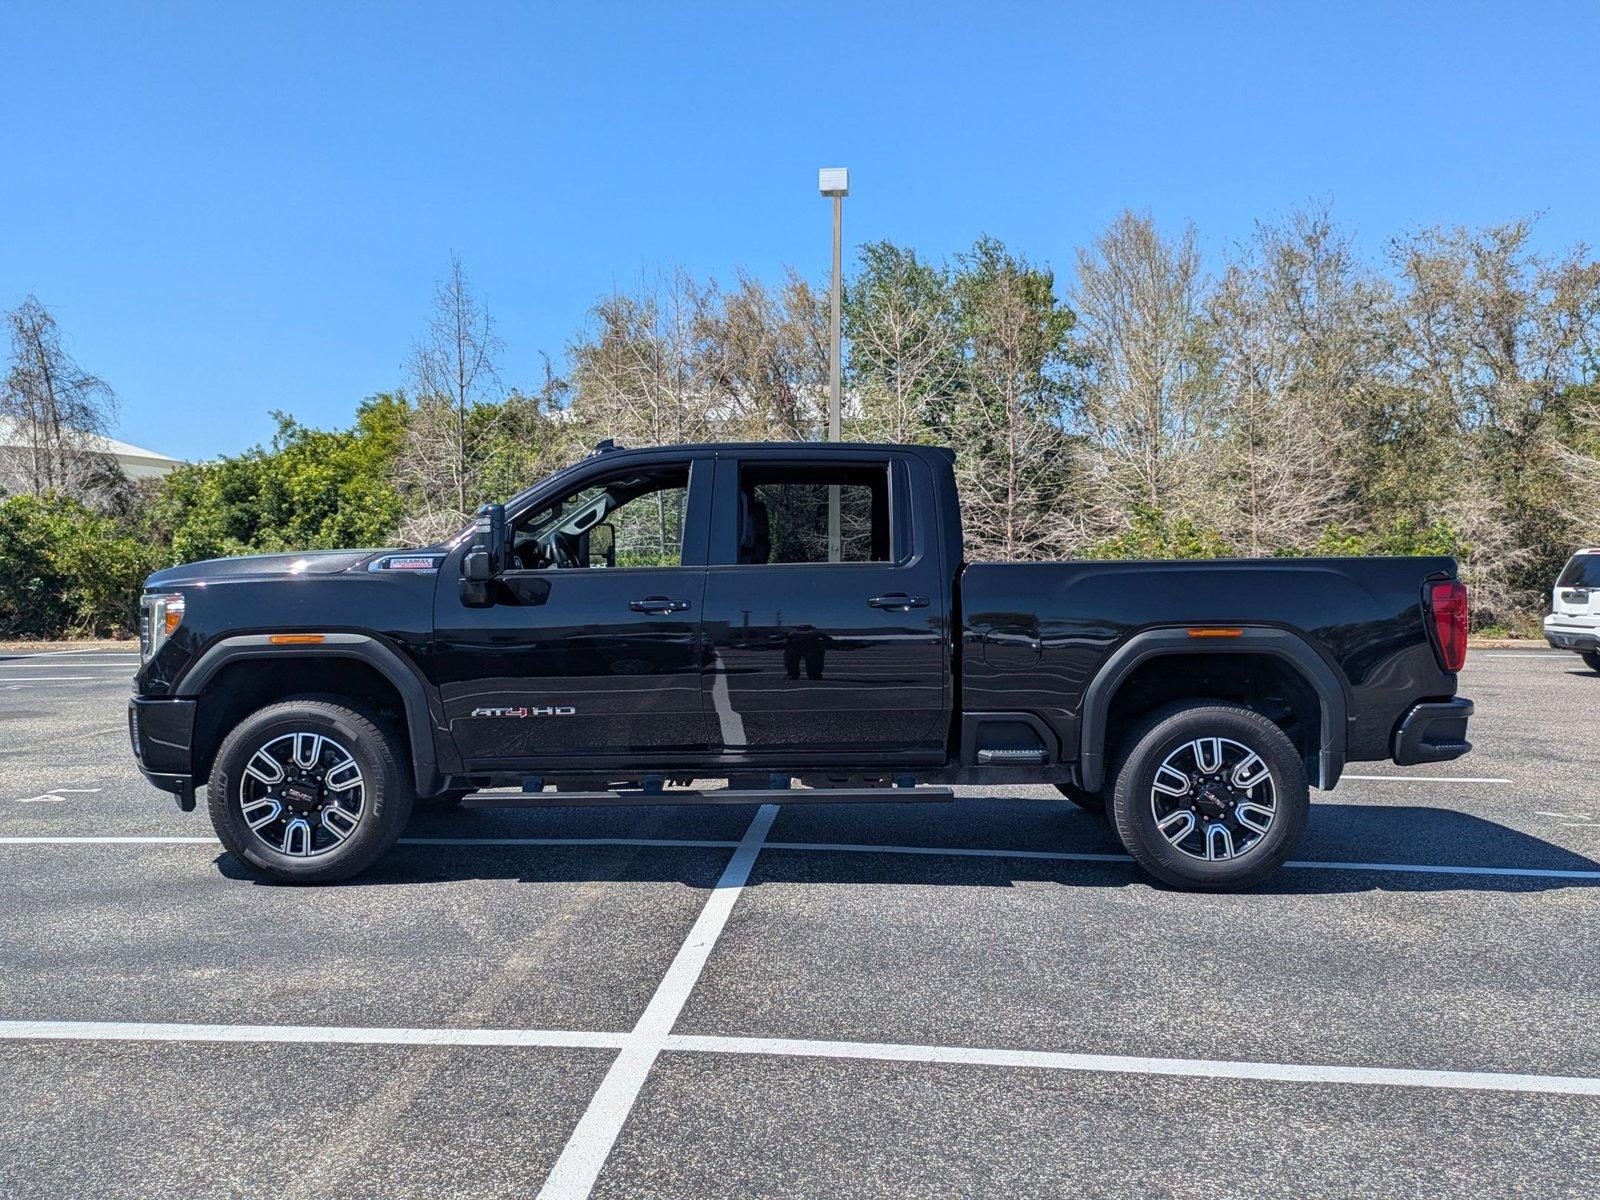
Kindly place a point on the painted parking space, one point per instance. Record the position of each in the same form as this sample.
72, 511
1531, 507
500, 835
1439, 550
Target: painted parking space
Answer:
929, 994
733, 1127
506, 936
186, 1120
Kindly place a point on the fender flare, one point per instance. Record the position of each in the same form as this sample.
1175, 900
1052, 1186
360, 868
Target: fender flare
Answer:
381, 657
1155, 643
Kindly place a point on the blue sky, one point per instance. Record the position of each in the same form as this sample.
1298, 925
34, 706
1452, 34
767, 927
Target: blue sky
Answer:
237, 208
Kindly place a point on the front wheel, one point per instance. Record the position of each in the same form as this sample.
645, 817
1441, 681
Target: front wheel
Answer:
1209, 797
1591, 659
308, 791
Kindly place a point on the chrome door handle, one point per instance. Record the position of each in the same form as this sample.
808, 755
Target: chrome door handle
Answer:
898, 601
656, 605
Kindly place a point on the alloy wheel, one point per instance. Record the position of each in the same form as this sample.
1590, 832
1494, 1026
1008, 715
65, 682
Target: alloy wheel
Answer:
303, 794
1213, 799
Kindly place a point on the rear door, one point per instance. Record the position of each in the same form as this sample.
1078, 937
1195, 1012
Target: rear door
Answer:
588, 651
822, 645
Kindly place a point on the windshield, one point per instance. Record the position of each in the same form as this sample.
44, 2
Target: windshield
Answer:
1582, 571
465, 532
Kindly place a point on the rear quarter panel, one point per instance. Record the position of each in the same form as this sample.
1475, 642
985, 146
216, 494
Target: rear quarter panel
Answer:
1035, 634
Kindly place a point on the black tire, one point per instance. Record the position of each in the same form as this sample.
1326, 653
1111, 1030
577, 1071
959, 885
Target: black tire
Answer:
1591, 659
1094, 802
388, 790
1132, 806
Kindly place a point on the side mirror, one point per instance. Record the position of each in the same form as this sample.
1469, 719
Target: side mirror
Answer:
485, 557
602, 546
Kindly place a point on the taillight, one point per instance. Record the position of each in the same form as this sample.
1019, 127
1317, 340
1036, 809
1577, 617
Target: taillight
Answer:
1447, 601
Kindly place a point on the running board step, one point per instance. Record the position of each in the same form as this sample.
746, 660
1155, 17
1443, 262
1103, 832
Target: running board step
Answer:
885, 795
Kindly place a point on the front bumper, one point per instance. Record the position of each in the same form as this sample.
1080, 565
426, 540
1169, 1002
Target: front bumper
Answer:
1571, 633
1435, 731
162, 732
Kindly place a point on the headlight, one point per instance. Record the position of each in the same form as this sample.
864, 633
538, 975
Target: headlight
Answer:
159, 618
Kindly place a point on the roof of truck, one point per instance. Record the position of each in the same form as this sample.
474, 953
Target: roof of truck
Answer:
607, 447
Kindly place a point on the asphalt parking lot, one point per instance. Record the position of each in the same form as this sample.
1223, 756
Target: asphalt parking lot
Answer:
980, 998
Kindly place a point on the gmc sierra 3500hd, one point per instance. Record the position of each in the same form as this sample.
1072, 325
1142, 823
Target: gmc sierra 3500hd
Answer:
770, 615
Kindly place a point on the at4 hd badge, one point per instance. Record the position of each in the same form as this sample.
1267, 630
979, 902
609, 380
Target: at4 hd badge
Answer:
534, 710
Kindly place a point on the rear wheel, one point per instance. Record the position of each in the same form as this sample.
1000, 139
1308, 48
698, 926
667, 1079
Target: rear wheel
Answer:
309, 791
1209, 797
1591, 659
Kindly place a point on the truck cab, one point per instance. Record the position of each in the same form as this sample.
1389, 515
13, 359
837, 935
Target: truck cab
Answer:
696, 609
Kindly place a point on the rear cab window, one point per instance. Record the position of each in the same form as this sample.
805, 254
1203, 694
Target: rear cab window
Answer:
785, 513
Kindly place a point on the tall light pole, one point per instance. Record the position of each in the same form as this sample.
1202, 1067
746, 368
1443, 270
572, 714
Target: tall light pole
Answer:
835, 182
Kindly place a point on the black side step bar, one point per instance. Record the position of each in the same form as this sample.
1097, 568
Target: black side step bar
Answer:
882, 795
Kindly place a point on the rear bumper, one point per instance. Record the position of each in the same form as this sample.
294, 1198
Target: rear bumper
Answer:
1433, 732
1569, 633
162, 732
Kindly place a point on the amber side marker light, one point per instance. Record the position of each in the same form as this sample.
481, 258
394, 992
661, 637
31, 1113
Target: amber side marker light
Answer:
295, 639
1216, 633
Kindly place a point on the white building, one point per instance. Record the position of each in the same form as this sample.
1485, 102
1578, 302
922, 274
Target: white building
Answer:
136, 462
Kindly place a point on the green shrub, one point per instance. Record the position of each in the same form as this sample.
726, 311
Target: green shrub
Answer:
68, 571
1153, 534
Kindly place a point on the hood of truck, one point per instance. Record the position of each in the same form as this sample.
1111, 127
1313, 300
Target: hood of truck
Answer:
260, 566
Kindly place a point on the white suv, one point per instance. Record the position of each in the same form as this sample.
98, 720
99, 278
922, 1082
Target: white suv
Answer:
1574, 620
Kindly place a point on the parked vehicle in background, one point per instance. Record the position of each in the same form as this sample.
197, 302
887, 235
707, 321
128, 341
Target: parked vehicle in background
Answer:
1574, 620
778, 614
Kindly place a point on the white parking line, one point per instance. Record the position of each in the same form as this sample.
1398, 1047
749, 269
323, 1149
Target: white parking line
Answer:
77, 664
575, 1172
6, 655
845, 848
1571, 1085
1425, 778
113, 840
140, 1031
1049, 1060
691, 843
1518, 654
94, 840
50, 679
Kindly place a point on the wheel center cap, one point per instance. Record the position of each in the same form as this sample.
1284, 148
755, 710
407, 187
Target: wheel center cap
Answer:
1212, 799
299, 794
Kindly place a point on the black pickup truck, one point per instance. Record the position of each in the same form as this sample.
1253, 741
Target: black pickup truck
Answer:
799, 622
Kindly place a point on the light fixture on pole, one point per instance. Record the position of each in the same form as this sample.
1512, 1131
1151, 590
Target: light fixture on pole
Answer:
834, 182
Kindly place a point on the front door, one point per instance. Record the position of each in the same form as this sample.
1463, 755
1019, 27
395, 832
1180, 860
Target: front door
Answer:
592, 647
825, 612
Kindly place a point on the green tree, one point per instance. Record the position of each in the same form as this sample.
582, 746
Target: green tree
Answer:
1016, 464
905, 367
309, 489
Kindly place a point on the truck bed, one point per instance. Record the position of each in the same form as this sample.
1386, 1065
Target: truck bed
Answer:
1035, 634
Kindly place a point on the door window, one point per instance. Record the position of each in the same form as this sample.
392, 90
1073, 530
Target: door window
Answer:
630, 519
785, 514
